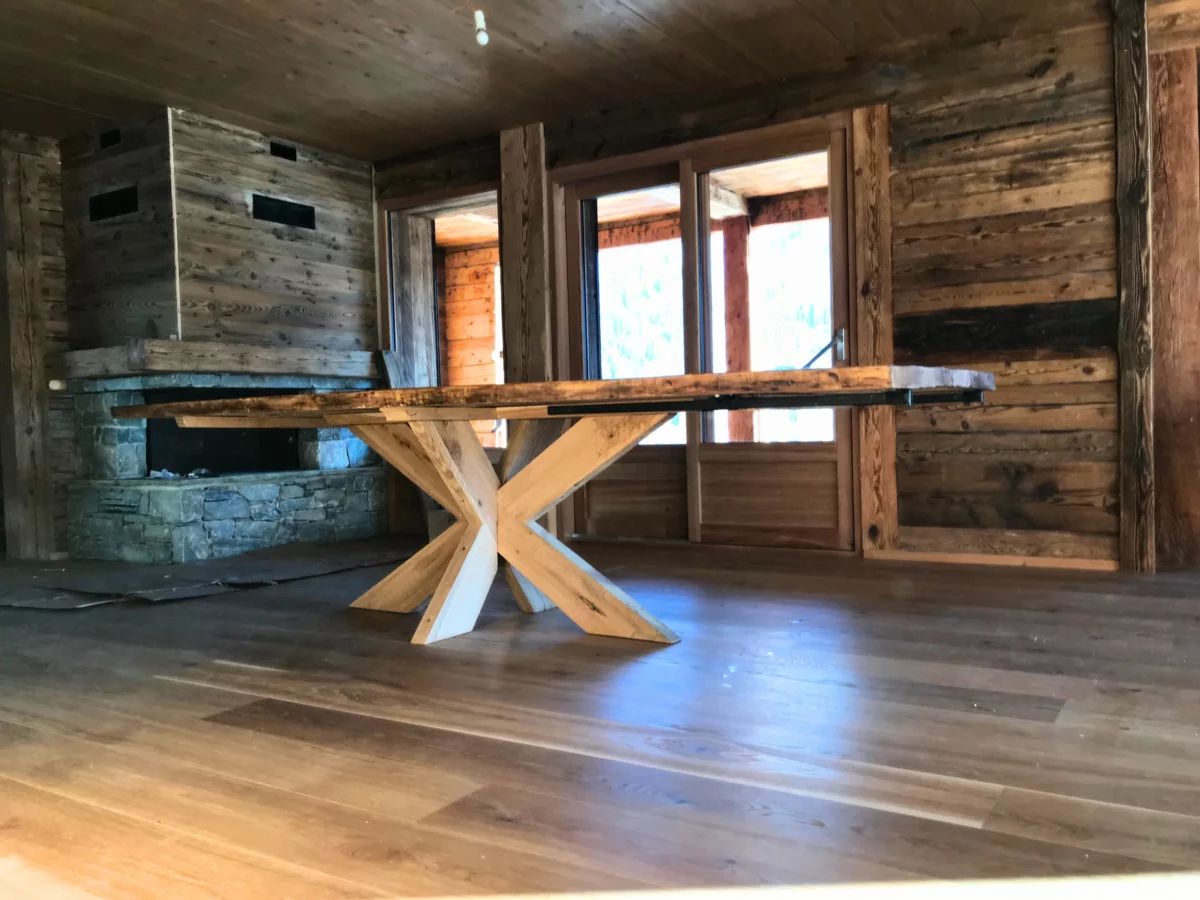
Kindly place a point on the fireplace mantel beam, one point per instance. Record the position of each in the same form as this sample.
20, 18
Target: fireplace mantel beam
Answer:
139, 357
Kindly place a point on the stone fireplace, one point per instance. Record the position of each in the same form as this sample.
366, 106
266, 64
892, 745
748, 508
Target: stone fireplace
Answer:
151, 492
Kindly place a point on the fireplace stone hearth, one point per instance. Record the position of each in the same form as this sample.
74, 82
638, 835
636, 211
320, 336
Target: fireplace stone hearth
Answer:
118, 511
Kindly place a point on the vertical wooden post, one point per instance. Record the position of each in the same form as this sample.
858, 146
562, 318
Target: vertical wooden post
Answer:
737, 316
24, 394
693, 222
1175, 126
1135, 339
524, 255
871, 140
415, 301
525, 291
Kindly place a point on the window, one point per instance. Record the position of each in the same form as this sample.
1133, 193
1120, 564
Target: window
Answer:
634, 296
772, 292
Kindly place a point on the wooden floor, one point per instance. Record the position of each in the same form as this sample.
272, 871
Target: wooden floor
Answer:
822, 721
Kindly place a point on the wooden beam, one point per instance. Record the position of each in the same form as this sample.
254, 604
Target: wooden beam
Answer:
1135, 340
737, 317
24, 394
1176, 279
491, 401
870, 138
414, 300
138, 357
524, 255
725, 203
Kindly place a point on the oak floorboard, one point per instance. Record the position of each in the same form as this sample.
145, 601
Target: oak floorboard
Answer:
823, 719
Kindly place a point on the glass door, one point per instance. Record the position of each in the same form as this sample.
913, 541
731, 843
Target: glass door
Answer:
628, 300
775, 297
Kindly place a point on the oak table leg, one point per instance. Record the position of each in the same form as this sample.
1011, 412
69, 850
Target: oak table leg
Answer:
446, 460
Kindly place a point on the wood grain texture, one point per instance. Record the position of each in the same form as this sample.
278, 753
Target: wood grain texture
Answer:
1134, 285
258, 282
525, 254
1176, 303
874, 714
414, 300
24, 398
870, 142
796, 382
737, 316
121, 271
40, 159
138, 356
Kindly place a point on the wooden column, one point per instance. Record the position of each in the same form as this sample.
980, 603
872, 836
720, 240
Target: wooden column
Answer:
737, 317
24, 395
525, 295
414, 289
871, 139
524, 255
1135, 339
1175, 127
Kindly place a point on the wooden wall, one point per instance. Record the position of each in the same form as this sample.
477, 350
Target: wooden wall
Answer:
260, 283
1004, 259
193, 263
41, 157
1004, 244
467, 313
121, 280
1175, 120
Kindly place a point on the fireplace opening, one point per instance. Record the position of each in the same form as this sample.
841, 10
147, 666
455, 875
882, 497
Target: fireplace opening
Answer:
217, 451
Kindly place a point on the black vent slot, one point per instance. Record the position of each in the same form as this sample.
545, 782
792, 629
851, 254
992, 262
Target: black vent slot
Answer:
283, 151
111, 204
284, 212
110, 138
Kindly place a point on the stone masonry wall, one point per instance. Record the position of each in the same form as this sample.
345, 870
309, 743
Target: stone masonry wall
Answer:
157, 521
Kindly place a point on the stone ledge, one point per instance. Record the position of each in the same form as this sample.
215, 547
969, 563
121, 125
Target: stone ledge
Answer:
163, 521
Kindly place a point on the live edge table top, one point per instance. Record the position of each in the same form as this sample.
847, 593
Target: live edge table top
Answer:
426, 434
849, 386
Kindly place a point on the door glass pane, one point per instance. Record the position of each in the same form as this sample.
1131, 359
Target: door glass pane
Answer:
640, 290
771, 290
469, 317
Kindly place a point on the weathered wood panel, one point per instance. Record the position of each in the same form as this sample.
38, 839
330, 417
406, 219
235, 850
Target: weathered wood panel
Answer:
525, 254
24, 397
1134, 286
259, 282
872, 264
1040, 456
63, 454
1176, 227
121, 276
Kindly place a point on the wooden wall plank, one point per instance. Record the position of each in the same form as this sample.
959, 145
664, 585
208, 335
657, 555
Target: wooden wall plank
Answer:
1135, 289
121, 272
1176, 283
737, 316
414, 300
525, 255
870, 139
257, 282
24, 396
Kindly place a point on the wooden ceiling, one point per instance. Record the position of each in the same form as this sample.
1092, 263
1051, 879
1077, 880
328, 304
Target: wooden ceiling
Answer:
375, 78
475, 221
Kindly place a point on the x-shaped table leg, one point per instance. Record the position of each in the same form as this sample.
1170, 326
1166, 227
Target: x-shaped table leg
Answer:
446, 460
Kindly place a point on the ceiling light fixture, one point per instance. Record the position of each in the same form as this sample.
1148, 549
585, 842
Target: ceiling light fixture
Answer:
481, 35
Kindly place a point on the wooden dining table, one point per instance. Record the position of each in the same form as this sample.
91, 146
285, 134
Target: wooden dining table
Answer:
426, 434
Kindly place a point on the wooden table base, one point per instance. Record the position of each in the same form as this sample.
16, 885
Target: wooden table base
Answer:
538, 470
